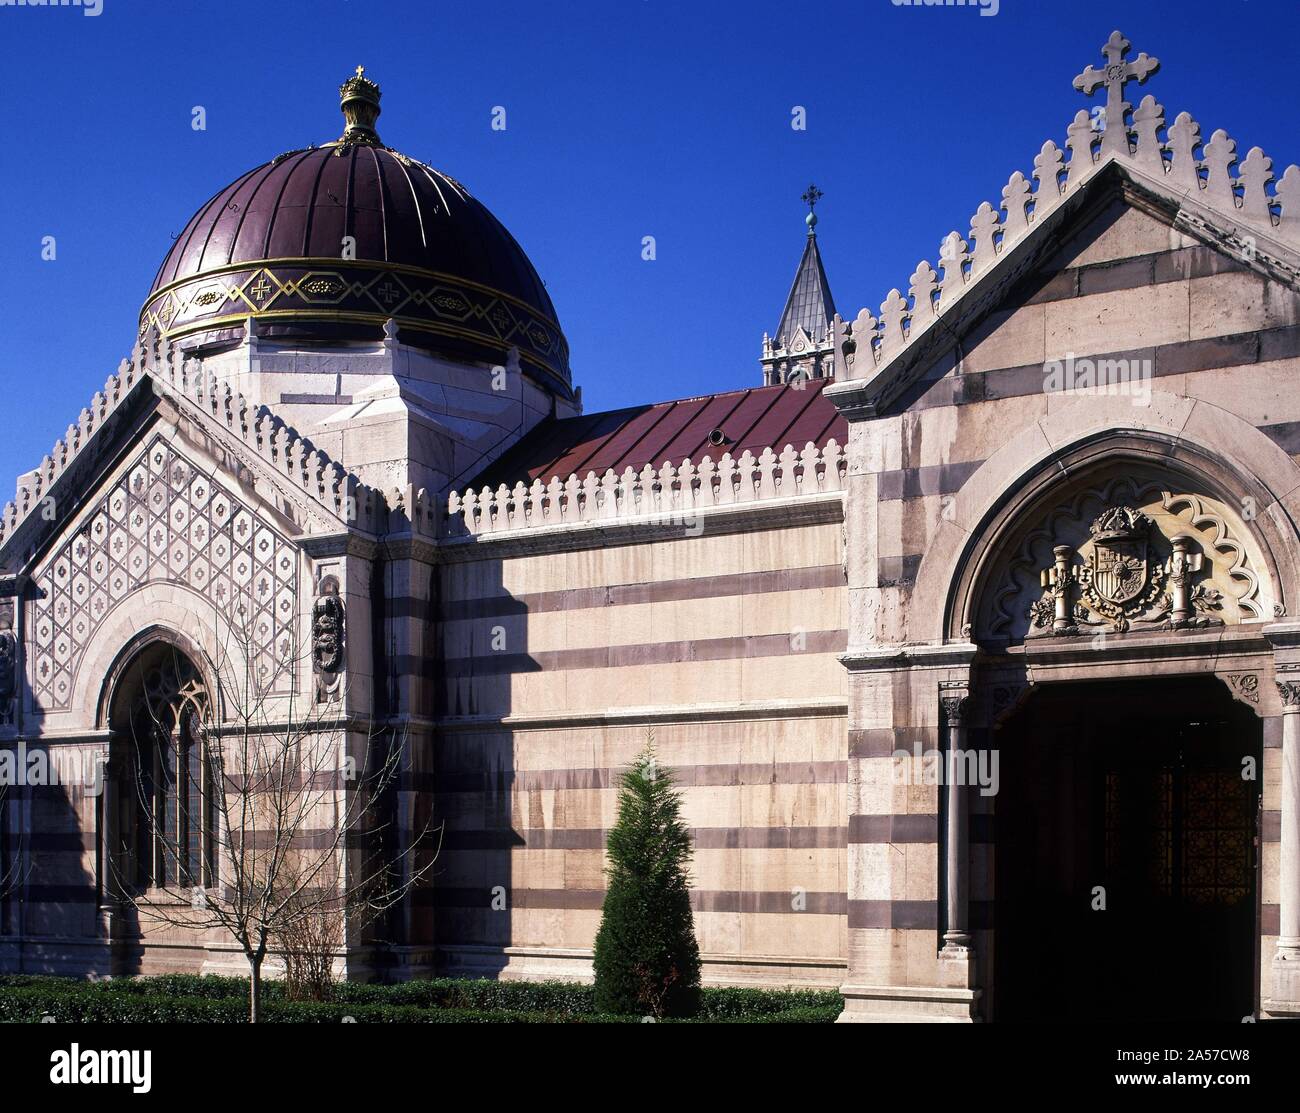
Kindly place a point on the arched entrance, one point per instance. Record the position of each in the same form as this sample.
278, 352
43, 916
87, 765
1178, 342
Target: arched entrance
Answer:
1125, 855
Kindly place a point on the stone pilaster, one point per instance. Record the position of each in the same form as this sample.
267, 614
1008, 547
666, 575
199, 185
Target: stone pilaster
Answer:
898, 970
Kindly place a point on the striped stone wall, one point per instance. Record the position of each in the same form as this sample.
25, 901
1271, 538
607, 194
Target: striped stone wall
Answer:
1219, 338
555, 666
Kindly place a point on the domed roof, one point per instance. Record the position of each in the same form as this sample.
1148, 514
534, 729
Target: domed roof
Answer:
327, 243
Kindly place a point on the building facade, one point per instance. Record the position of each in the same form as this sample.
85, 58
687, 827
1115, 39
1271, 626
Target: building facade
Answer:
969, 637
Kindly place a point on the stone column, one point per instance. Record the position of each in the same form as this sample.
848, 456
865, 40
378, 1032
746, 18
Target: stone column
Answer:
108, 880
1286, 959
955, 958
1284, 998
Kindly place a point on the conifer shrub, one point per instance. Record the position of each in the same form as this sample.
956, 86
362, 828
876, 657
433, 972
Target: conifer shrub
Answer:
646, 958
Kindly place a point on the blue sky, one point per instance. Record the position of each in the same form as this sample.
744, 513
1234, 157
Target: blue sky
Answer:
625, 118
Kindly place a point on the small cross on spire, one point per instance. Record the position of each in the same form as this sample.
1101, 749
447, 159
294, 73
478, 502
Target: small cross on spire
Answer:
361, 71
1115, 75
810, 197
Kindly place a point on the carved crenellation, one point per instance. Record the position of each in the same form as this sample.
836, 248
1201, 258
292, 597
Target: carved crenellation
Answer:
1172, 566
865, 343
306, 467
666, 492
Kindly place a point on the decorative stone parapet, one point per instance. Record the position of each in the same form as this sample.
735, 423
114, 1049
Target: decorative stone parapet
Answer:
675, 493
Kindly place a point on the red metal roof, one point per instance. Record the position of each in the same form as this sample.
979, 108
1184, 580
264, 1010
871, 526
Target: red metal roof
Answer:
755, 419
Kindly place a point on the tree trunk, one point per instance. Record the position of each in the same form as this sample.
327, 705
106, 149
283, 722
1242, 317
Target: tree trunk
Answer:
255, 989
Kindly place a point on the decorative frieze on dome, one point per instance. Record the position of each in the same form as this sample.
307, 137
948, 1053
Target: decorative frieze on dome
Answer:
358, 291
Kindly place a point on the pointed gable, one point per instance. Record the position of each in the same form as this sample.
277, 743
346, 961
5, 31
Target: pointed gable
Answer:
1190, 182
308, 487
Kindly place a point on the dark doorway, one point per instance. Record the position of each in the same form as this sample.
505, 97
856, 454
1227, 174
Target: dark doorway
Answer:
1133, 793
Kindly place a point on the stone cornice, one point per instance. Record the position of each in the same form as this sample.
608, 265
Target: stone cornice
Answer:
410, 547
321, 545
622, 716
1221, 642
927, 655
1282, 635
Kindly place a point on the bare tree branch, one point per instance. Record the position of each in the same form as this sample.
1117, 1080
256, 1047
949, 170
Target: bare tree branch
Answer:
304, 849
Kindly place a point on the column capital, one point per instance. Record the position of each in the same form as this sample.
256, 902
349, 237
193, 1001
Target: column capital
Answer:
1288, 690
954, 698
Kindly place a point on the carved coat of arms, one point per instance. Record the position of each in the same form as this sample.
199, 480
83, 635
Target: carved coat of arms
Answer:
1119, 564
1122, 579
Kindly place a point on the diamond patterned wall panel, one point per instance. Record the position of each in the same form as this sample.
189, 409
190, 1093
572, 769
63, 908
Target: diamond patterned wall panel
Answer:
164, 521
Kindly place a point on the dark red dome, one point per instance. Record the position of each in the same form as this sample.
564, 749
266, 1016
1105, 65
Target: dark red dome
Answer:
329, 242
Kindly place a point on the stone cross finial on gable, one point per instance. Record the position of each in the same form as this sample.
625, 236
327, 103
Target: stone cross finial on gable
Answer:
1115, 75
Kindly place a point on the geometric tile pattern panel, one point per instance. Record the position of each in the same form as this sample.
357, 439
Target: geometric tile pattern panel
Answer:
164, 521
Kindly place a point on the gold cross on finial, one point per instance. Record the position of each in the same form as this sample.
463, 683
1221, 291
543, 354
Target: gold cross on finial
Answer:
1115, 75
361, 71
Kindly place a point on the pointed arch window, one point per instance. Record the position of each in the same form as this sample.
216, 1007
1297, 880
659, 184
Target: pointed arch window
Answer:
173, 810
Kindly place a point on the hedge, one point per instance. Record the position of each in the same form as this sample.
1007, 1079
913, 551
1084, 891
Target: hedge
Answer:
184, 998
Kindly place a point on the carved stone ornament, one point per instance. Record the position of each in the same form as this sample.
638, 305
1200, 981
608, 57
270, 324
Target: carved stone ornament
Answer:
1127, 554
1289, 692
1245, 686
955, 700
327, 627
1119, 583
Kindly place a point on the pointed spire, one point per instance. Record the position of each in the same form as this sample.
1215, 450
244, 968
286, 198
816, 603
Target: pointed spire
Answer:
801, 347
809, 305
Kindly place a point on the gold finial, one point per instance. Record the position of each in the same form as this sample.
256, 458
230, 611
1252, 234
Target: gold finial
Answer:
359, 100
